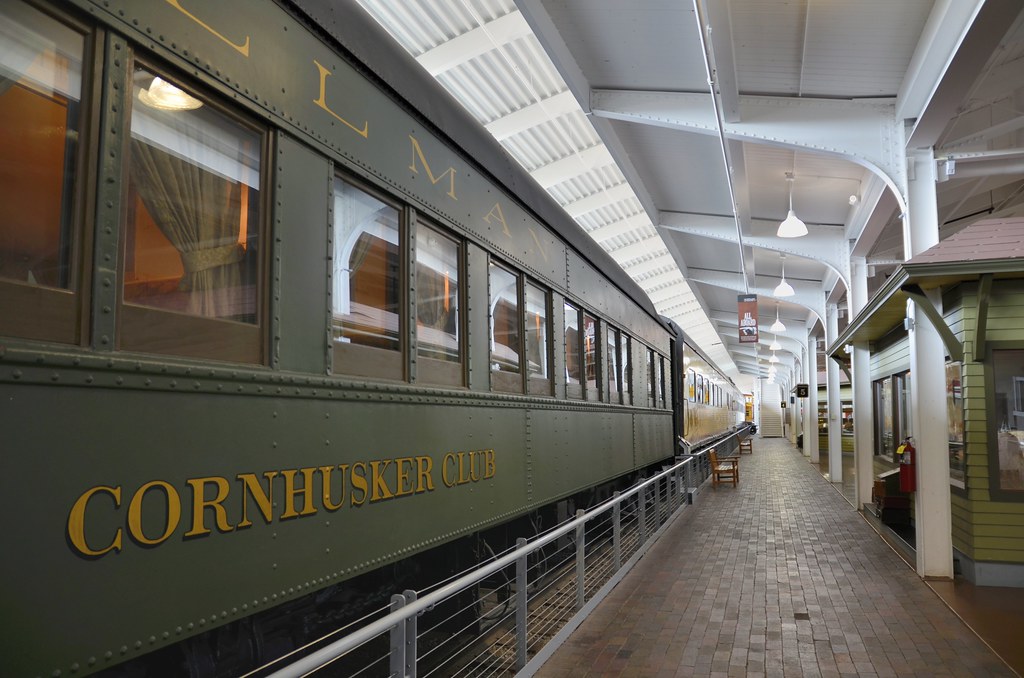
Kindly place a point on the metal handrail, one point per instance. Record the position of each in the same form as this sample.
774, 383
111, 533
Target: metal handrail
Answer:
339, 647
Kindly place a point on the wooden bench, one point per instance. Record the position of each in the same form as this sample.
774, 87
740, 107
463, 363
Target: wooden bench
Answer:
747, 446
724, 470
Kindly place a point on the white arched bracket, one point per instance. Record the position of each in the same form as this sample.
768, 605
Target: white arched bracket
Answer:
810, 297
826, 245
865, 132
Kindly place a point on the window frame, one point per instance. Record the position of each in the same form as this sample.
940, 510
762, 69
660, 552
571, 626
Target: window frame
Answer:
432, 370
996, 490
574, 391
539, 386
40, 313
505, 381
355, 360
146, 329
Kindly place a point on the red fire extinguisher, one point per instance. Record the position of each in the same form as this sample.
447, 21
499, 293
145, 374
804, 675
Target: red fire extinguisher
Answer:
908, 468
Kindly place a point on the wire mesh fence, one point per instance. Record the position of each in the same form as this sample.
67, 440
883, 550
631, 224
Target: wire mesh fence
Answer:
492, 620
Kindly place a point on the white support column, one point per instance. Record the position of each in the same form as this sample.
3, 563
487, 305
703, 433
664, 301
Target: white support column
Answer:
835, 411
811, 442
809, 427
928, 392
863, 419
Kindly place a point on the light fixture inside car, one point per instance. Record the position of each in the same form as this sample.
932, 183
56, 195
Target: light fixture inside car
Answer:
166, 97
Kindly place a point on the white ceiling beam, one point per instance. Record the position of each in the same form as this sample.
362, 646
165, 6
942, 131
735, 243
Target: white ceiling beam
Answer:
602, 198
829, 246
620, 227
954, 52
982, 136
861, 131
720, 48
660, 260
807, 295
661, 279
532, 115
572, 166
645, 246
469, 45
565, 63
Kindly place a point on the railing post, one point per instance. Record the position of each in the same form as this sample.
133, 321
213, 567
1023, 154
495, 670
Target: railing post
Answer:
411, 640
581, 565
521, 603
658, 518
397, 668
641, 498
617, 533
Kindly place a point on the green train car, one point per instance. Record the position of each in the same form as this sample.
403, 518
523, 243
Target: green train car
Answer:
282, 331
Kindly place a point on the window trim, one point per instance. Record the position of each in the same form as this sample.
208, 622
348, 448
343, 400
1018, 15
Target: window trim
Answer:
144, 329
432, 370
575, 391
354, 360
38, 313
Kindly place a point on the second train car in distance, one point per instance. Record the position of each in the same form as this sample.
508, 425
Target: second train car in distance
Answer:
282, 331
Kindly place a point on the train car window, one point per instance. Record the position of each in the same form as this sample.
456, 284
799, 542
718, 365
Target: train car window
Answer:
438, 333
691, 383
590, 358
626, 368
41, 102
612, 356
538, 344
573, 352
662, 395
366, 299
192, 246
652, 379
506, 330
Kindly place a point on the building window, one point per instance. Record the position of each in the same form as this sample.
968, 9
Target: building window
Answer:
192, 247
538, 351
41, 236
573, 352
506, 333
438, 333
366, 296
955, 419
1008, 418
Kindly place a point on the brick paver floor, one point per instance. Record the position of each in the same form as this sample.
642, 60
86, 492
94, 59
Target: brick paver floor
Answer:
777, 577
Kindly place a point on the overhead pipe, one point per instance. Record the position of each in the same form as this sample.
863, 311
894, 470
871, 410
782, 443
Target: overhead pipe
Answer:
698, 11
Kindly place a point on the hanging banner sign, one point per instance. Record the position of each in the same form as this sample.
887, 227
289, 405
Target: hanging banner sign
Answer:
747, 304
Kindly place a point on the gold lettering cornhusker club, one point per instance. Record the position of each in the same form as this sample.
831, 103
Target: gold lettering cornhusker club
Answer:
219, 504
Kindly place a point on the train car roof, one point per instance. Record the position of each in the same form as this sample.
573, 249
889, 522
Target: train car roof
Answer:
360, 35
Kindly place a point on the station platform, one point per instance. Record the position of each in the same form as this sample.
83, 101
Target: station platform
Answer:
779, 576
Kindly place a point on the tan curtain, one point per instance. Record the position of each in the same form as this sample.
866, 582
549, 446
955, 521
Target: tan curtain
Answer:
430, 304
200, 213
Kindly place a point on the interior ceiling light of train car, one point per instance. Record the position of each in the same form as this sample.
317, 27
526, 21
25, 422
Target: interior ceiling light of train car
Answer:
490, 60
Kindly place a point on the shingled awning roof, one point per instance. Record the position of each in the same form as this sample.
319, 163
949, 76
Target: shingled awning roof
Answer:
986, 250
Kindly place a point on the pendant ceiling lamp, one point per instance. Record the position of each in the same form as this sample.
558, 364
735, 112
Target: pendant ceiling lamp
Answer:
773, 359
777, 326
784, 289
791, 227
775, 344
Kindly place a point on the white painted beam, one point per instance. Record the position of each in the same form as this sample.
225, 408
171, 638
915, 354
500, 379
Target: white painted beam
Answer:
472, 44
572, 166
532, 115
602, 198
861, 131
